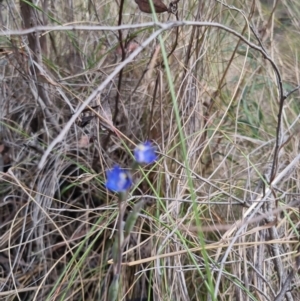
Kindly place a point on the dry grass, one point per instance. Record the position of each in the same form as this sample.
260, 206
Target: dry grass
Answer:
214, 228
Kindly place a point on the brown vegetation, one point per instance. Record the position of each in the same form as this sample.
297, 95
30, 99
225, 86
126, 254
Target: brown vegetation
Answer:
222, 106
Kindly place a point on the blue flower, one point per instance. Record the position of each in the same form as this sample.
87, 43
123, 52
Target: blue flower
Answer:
145, 153
118, 179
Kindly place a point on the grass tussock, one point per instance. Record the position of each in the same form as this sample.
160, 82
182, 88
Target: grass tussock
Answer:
219, 99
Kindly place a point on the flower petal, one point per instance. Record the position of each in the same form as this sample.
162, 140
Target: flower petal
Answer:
145, 153
118, 179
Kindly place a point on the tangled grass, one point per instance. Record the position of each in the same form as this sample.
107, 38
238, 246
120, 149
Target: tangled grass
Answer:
215, 87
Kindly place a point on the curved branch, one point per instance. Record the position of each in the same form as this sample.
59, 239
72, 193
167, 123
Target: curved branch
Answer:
163, 27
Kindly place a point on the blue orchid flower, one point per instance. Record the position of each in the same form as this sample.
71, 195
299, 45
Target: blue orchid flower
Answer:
118, 179
145, 153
